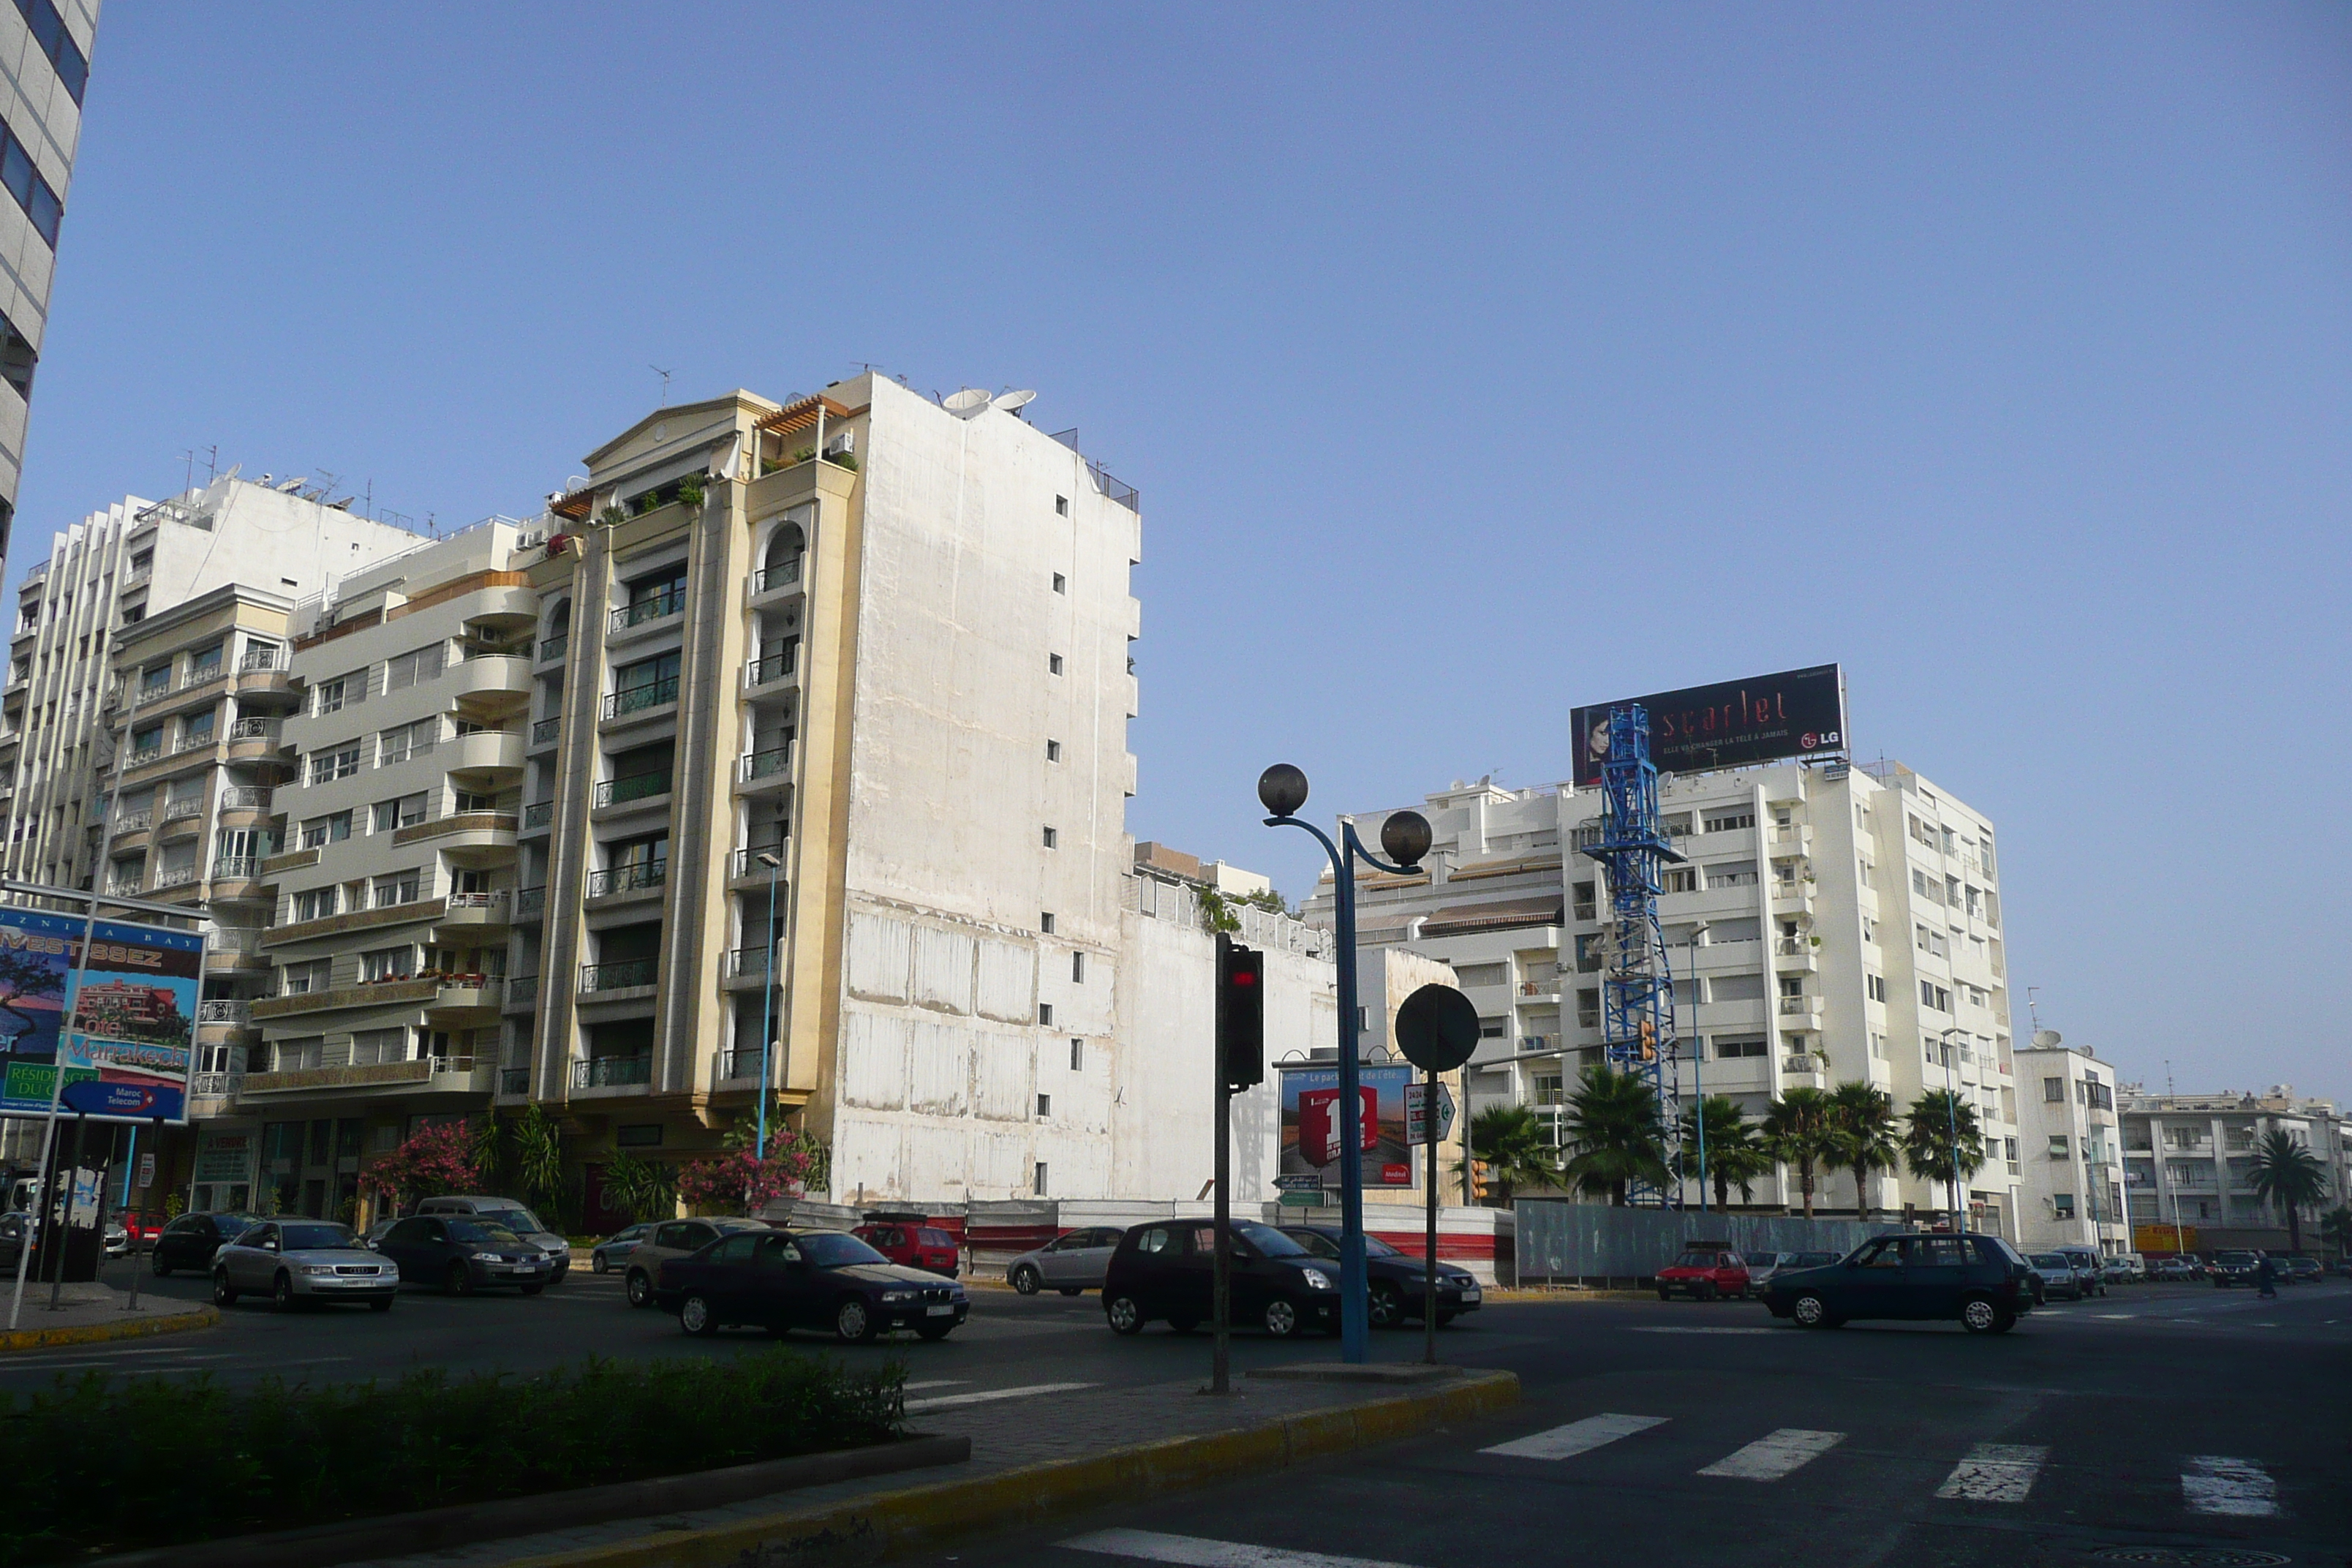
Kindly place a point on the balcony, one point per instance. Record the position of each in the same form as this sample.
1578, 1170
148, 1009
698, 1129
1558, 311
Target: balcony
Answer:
177, 876
546, 731
638, 787
529, 903
137, 577
500, 674
464, 829
775, 667
465, 994
1800, 1007
1793, 897
746, 866
522, 993
750, 963
237, 1014
513, 1081
182, 811
628, 975
774, 580
261, 658
632, 699
552, 649
245, 797
734, 1068
214, 1090
135, 821
475, 911
484, 752
237, 868
437, 1074
538, 816
769, 767
646, 612
613, 1072
1801, 1067
640, 876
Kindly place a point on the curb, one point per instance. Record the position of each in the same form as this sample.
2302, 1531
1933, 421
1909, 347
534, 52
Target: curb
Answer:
863, 1528
97, 1333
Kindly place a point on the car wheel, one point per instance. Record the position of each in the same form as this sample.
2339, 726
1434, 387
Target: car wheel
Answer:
459, 1281
695, 1316
1026, 1280
156, 1264
1386, 1306
933, 1331
224, 1293
640, 1288
1665, 1294
281, 1292
597, 1264
1983, 1315
1281, 1319
1810, 1311
380, 1304
1124, 1313
532, 1290
1073, 1291
852, 1322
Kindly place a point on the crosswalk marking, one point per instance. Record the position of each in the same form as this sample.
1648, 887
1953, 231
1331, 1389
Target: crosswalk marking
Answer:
2215, 1483
1697, 1329
1775, 1454
1995, 1473
1197, 1552
939, 1383
1576, 1437
987, 1395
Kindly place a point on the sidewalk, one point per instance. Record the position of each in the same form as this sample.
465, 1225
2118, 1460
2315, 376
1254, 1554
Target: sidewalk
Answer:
90, 1314
1017, 1430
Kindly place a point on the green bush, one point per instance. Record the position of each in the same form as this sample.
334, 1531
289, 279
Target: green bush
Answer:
202, 1461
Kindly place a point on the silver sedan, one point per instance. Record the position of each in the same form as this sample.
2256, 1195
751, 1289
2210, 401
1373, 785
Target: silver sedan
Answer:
1072, 1262
303, 1263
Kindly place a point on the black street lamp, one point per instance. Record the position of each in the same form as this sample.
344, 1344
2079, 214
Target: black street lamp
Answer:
1282, 788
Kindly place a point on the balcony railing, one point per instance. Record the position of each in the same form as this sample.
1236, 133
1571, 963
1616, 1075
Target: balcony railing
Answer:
539, 813
747, 961
256, 730
494, 899
728, 1066
514, 1080
180, 877
628, 879
237, 868
771, 764
200, 742
215, 1085
146, 754
781, 575
613, 1072
626, 974
637, 698
530, 902
243, 797
637, 786
1793, 1005
135, 821
554, 648
201, 675
747, 863
224, 1012
181, 810
523, 990
1800, 1064
137, 577
668, 601
774, 667
546, 730
262, 658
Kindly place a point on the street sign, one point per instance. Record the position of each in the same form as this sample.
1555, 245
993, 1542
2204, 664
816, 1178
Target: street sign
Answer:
1297, 1200
147, 1169
1417, 1113
1293, 1183
1437, 1028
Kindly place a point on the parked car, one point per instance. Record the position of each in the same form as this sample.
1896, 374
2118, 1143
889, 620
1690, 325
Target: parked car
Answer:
1981, 1280
2057, 1276
512, 1216
1165, 1270
2090, 1266
304, 1263
118, 1239
924, 1247
462, 1255
1393, 1278
781, 1280
608, 1254
144, 1226
190, 1241
2344, 1267
2233, 1268
1072, 1262
2302, 1270
1703, 1274
674, 1239
13, 1230
2128, 1265
2175, 1269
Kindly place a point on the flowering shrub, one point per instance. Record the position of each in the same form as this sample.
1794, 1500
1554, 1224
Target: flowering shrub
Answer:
742, 1180
433, 1160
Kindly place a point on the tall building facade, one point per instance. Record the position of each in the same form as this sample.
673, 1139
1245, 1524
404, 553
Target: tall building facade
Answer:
2072, 1148
1828, 924
44, 49
2189, 1165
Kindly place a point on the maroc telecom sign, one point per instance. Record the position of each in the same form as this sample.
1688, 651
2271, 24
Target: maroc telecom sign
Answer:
1731, 724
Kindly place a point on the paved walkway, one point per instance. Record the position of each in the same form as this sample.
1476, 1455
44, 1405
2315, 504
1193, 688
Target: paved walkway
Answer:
1009, 1427
91, 1313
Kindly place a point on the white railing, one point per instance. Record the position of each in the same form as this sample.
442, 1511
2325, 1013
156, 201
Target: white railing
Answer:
256, 730
237, 868
492, 900
216, 1085
224, 1012
201, 675
231, 939
179, 879
181, 810
262, 658
243, 797
135, 821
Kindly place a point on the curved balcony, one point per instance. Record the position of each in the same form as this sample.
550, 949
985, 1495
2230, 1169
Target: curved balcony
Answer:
491, 676
463, 830
475, 911
495, 752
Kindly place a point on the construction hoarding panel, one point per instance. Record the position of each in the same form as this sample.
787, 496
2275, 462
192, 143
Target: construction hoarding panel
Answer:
1731, 724
1310, 1107
127, 1055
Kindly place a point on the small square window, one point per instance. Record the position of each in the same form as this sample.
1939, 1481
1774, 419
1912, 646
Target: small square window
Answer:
1053, 751
1045, 922
1077, 1056
1061, 583
1053, 663
1052, 840
1061, 506
1045, 1014
1045, 1105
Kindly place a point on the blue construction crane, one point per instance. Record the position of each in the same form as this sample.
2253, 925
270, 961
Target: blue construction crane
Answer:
1638, 987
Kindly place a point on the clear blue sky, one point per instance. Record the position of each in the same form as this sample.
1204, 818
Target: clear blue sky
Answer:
1473, 363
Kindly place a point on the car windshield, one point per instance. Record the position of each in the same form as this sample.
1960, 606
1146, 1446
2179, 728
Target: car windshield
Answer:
1813, 1260
482, 1233
1317, 1244
518, 1219
2233, 1257
315, 1238
1762, 1259
1696, 1260
930, 1237
836, 1249
1270, 1242
2048, 1260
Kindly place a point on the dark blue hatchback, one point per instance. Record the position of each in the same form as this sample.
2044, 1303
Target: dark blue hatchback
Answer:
1981, 1280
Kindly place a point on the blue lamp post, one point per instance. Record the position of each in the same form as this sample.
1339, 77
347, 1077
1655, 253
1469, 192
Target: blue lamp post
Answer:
1282, 788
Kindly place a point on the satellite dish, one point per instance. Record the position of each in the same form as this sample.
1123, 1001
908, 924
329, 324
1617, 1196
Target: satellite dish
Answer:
2044, 1038
967, 404
1012, 400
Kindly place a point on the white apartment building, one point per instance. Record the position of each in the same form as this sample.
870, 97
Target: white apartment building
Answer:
1829, 923
2070, 1146
2189, 1163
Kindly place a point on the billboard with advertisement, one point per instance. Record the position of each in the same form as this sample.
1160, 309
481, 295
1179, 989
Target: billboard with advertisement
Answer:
2164, 1238
132, 1040
1309, 1111
1731, 724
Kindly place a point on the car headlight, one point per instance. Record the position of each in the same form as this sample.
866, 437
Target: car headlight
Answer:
316, 1268
1316, 1279
893, 1297
487, 1258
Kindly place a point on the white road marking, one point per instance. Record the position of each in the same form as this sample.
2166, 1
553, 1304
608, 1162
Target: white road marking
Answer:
1193, 1549
1775, 1454
939, 1383
1995, 1473
2215, 1483
2116, 1317
1576, 1437
988, 1395
1700, 1330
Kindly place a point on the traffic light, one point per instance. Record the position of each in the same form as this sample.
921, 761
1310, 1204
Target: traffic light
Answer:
1241, 1015
1648, 1035
1479, 1181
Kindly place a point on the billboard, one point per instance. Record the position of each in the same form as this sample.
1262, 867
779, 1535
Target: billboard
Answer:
1311, 1108
132, 1039
1732, 724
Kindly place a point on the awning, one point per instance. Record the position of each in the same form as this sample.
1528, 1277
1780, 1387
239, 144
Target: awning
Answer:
1502, 914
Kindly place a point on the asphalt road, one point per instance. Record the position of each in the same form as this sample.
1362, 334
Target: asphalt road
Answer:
1650, 1433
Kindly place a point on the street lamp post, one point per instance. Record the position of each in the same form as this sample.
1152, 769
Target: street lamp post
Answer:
1698, 1063
1405, 834
767, 1001
1952, 1114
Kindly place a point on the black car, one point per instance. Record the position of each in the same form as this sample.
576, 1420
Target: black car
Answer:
1979, 1280
2302, 1270
190, 1241
1393, 1281
1166, 1270
781, 1280
462, 1255
2231, 1268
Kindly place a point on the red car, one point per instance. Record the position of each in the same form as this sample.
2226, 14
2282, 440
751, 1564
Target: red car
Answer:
917, 1246
1702, 1276
143, 1228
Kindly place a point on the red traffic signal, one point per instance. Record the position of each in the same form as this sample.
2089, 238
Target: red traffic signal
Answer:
1241, 1015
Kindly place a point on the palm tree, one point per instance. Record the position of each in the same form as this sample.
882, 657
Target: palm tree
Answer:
2290, 1176
1798, 1129
1511, 1142
2335, 1229
1733, 1152
1862, 1136
1939, 1126
1612, 1125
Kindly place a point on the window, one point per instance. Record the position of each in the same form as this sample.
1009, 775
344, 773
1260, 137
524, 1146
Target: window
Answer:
1053, 751
1728, 821
1078, 968
1053, 663
1734, 1050
24, 182
399, 887
405, 812
1731, 874
298, 1056
341, 762
197, 729
1061, 583
370, 1047
50, 32
1878, 1046
408, 741
1061, 506
2060, 1148
1045, 923
332, 828
1052, 840
1876, 984
1038, 1186
1793, 985
2053, 1091
204, 664
154, 680
388, 963
1077, 1056
2064, 1204
1045, 1014
414, 669
315, 904
462, 801
1677, 879
1045, 1105
1934, 997
331, 694
301, 979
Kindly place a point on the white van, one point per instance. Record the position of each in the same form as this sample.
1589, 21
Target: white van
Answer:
2091, 1263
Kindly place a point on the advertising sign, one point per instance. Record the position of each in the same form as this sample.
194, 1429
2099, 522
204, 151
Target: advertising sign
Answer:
2164, 1238
132, 1039
1732, 724
1309, 1096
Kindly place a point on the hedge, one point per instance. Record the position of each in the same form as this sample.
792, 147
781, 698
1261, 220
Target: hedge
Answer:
101, 1463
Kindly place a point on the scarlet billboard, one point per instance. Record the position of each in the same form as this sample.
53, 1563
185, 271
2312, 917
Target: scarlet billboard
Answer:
1731, 724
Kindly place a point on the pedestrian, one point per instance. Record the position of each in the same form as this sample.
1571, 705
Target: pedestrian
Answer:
2267, 1274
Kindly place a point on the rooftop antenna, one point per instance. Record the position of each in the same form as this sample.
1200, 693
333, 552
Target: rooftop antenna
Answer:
665, 375
2032, 1011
